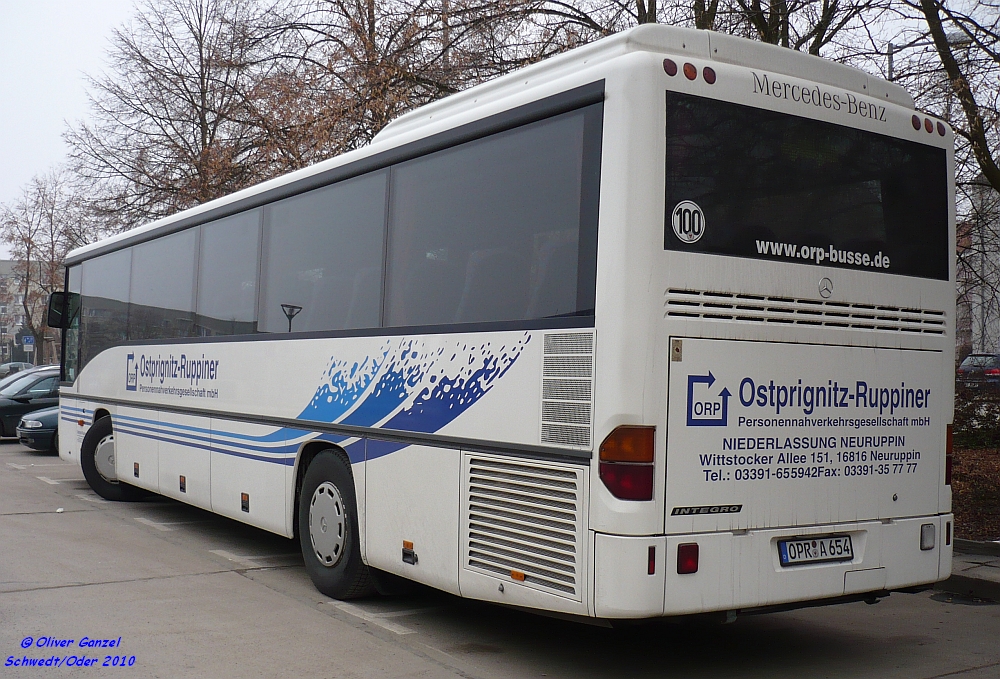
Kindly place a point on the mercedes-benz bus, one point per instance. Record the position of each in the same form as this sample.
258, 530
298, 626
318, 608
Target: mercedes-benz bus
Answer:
662, 325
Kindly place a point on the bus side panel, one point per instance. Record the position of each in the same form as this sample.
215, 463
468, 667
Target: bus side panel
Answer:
185, 459
137, 451
251, 473
412, 496
74, 419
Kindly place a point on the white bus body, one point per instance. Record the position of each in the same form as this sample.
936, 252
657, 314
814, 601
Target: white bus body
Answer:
788, 396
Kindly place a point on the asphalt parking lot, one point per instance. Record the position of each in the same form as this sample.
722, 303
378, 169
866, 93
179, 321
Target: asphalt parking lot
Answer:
183, 593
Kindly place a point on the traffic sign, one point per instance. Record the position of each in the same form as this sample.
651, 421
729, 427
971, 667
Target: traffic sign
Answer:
28, 340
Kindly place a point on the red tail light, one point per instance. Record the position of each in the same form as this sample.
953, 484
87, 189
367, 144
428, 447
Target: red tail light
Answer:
626, 462
992, 371
687, 558
948, 447
628, 481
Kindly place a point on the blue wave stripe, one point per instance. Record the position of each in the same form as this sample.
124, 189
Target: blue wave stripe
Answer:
277, 435
133, 428
355, 450
283, 459
73, 409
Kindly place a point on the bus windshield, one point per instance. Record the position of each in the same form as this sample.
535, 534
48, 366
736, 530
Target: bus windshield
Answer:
775, 186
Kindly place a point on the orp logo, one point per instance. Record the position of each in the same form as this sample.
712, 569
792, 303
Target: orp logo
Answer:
705, 406
131, 373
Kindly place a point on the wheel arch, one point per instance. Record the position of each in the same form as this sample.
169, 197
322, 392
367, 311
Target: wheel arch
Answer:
307, 453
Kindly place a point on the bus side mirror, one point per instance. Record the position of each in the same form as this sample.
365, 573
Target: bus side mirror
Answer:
57, 311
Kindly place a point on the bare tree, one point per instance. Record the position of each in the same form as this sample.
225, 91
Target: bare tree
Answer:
977, 37
173, 122
40, 227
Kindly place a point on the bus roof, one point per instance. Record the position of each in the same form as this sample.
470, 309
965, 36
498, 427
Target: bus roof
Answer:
699, 44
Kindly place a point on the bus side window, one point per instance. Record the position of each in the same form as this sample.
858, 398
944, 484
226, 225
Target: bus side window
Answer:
496, 286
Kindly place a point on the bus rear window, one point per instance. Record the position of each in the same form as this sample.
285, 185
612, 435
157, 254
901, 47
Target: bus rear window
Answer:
748, 182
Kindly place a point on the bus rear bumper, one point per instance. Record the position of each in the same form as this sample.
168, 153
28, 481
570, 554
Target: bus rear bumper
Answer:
741, 571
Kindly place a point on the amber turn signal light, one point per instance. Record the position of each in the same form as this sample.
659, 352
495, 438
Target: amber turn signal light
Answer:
626, 462
629, 443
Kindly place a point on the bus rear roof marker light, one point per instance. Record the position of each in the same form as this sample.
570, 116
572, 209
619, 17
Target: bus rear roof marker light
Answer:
928, 125
709, 73
941, 128
915, 120
670, 67
690, 72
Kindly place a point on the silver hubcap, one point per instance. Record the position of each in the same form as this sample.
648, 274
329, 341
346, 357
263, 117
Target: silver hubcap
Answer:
104, 457
327, 524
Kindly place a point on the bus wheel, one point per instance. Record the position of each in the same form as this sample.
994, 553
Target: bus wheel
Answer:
97, 457
328, 529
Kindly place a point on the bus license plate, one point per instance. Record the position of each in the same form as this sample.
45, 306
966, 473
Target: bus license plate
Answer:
815, 550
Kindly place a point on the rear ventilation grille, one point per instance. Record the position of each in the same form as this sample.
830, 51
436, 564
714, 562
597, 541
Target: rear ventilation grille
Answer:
524, 523
567, 388
729, 306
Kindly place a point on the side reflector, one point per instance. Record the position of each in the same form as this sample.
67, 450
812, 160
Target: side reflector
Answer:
926, 537
948, 448
517, 575
651, 563
687, 558
947, 533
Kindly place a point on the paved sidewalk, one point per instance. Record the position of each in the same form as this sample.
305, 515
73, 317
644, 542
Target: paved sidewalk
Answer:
975, 570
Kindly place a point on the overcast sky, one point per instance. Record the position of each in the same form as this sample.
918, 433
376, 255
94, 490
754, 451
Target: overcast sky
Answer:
46, 46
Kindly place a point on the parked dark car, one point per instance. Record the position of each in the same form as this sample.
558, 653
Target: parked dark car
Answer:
40, 430
979, 372
4, 381
32, 391
11, 368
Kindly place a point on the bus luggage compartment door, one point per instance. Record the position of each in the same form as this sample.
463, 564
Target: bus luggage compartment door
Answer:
768, 434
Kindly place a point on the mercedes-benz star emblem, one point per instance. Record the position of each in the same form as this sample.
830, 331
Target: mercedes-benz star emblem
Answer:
825, 288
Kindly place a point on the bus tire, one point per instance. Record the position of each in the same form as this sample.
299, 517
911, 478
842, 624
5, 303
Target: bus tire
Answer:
328, 529
101, 434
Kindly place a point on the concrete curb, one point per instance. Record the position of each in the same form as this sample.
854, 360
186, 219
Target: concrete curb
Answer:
970, 587
976, 547
967, 584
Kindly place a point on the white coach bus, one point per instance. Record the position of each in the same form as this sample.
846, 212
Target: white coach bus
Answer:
662, 325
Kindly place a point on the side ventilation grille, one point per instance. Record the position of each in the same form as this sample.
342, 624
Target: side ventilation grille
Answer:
567, 388
524, 523
787, 311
